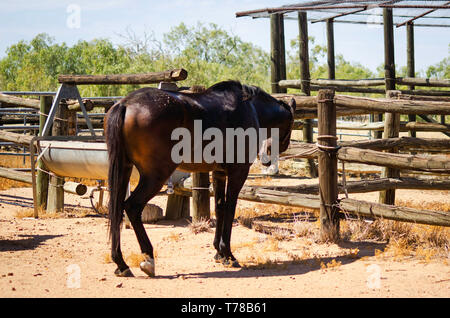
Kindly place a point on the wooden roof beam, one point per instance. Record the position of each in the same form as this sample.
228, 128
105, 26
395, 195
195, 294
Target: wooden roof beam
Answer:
418, 16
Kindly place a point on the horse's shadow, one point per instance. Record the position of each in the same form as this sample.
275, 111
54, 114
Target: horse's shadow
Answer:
290, 268
26, 242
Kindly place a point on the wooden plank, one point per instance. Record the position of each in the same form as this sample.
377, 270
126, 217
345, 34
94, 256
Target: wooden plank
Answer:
393, 106
391, 212
336, 82
429, 82
19, 139
13, 101
9, 173
402, 142
146, 78
365, 186
262, 195
305, 150
433, 163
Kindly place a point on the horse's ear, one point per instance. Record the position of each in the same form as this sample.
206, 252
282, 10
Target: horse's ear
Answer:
293, 104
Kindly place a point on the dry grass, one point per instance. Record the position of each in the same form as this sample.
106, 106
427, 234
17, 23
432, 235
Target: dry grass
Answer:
173, 237
200, 226
403, 239
44, 214
13, 162
133, 259
433, 206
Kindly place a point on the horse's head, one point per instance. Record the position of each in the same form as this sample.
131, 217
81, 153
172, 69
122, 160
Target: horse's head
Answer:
282, 138
272, 114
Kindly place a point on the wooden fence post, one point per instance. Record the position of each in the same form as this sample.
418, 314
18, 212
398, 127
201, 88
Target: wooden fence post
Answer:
330, 50
55, 201
42, 176
275, 71
392, 120
391, 130
410, 68
306, 85
200, 196
178, 207
327, 157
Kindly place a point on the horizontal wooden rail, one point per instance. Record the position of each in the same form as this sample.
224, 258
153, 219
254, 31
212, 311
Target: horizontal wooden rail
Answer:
410, 81
146, 78
364, 186
432, 163
413, 107
350, 206
379, 126
392, 212
414, 81
20, 139
366, 86
400, 142
14, 101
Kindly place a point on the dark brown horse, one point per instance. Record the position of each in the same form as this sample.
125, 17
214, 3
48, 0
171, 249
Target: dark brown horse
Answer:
139, 132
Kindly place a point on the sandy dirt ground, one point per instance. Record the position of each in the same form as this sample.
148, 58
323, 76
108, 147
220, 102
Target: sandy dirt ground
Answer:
69, 257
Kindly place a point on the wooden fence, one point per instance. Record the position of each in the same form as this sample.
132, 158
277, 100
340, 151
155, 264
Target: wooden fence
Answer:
326, 107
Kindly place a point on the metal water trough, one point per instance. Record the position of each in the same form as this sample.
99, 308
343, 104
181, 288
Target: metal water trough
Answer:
78, 157
88, 160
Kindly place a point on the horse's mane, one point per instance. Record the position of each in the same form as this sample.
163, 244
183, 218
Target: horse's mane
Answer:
244, 92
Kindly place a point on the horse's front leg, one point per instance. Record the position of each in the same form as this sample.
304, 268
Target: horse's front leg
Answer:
219, 182
236, 179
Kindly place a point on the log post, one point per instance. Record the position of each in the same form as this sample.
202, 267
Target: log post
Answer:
200, 196
306, 87
391, 130
178, 207
55, 201
330, 50
327, 157
392, 120
275, 52
282, 54
410, 69
42, 176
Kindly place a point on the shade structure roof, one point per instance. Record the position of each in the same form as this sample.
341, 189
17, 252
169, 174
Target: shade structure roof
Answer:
421, 13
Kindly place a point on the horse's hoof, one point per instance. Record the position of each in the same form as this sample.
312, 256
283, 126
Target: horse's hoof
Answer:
148, 266
219, 258
125, 273
228, 262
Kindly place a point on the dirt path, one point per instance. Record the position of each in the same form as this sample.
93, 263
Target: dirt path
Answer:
69, 257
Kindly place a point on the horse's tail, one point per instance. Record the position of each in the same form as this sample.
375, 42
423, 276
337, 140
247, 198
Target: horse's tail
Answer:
119, 167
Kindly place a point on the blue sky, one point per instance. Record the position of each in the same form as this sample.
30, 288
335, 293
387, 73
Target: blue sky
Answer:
23, 19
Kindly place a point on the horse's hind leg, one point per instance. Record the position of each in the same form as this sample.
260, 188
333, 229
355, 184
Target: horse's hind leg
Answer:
146, 189
236, 179
116, 253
